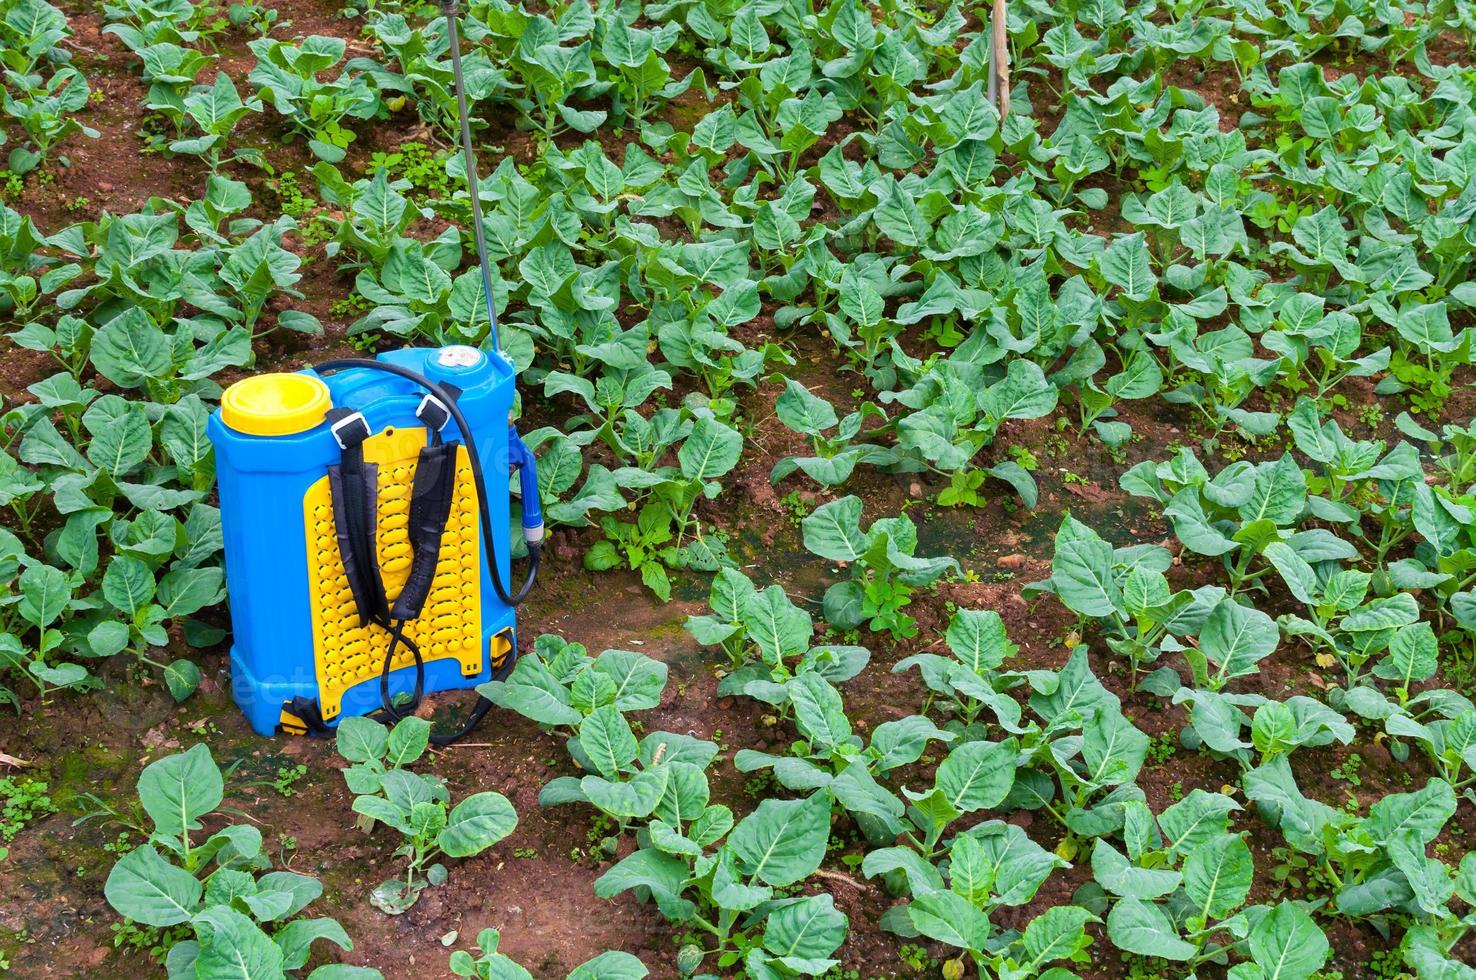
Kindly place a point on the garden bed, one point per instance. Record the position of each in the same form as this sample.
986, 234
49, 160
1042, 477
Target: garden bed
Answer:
993, 332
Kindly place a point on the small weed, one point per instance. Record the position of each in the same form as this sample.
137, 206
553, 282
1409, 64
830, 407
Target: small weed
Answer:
314, 227
22, 800
1162, 748
799, 508
916, 958
1025, 458
152, 942
1348, 771
603, 834
204, 727
11, 939
351, 307
761, 785
423, 167
293, 199
1139, 968
1289, 869
287, 778
1386, 964
121, 844
259, 17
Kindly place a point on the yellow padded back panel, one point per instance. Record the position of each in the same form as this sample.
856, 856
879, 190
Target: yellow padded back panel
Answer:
450, 625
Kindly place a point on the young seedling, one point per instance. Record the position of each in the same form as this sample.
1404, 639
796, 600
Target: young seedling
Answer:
416, 806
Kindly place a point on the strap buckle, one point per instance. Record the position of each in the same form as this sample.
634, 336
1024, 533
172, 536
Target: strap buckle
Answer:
430, 409
351, 439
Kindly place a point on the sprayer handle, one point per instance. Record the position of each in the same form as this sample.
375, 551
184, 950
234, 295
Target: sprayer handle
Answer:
523, 460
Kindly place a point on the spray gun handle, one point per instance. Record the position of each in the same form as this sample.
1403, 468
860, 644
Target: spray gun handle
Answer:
521, 458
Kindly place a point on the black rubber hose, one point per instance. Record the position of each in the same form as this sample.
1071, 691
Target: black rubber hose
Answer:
396, 630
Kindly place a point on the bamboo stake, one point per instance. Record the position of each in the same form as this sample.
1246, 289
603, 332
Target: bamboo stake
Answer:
999, 77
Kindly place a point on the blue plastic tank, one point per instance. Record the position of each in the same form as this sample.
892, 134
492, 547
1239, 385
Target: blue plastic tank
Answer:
296, 631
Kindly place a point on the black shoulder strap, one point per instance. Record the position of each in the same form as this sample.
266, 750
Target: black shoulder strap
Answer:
355, 492
430, 509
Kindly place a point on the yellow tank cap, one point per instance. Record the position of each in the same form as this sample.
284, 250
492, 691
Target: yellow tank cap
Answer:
278, 404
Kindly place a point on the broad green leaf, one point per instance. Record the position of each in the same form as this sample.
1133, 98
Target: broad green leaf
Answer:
833, 530
1140, 927
607, 740
45, 594
1082, 571
1055, 934
130, 350
1126, 264
710, 451
1196, 819
610, 965
1217, 876
775, 624
534, 693
949, 918
638, 679
819, 712
295, 939
978, 775
1287, 945
149, 890
783, 841
978, 639
361, 739
128, 584
637, 797
407, 742
178, 790
1425, 811
1112, 747
1118, 875
476, 823
232, 947
1412, 656
802, 411
898, 217
1237, 637
810, 928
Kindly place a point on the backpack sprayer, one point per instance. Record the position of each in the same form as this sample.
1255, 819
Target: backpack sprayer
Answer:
367, 554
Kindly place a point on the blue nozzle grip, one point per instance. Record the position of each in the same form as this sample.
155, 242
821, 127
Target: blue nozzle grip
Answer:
521, 458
